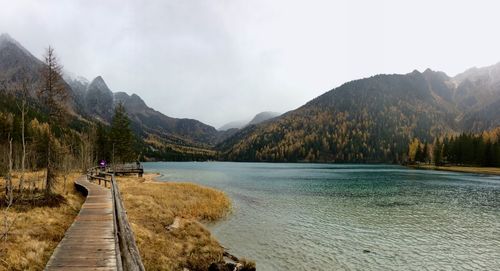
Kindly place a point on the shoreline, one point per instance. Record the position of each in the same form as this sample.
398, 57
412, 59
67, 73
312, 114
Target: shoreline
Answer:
167, 215
153, 176
460, 169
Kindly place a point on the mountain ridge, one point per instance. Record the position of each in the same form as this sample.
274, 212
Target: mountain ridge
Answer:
365, 120
371, 119
258, 118
94, 100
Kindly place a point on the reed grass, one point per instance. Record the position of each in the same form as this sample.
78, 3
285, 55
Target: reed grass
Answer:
152, 208
38, 227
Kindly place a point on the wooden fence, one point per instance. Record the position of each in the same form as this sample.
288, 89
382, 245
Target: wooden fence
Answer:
128, 257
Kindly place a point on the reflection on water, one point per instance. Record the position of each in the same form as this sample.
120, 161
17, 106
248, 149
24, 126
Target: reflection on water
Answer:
352, 217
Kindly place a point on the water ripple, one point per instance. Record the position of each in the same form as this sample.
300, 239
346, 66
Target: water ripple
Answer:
353, 217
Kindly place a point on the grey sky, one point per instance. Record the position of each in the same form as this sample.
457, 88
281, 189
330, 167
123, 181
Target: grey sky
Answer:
219, 61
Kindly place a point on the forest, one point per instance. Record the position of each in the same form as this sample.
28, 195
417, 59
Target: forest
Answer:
465, 149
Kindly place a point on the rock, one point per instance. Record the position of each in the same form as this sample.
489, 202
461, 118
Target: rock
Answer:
222, 267
175, 225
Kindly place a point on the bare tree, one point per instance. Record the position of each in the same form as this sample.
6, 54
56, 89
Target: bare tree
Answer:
53, 94
9, 197
23, 93
87, 153
67, 164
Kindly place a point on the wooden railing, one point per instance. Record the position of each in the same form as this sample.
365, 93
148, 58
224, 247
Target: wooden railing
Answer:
129, 166
128, 257
122, 169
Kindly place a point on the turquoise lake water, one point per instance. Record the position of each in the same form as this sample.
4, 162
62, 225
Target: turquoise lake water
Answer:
352, 217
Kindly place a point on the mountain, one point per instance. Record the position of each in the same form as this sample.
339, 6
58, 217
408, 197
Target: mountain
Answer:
99, 100
260, 117
94, 101
155, 122
16, 62
367, 120
480, 92
78, 86
231, 128
263, 116
150, 124
373, 119
233, 125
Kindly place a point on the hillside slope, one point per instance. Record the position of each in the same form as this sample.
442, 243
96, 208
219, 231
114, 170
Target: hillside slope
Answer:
94, 101
370, 120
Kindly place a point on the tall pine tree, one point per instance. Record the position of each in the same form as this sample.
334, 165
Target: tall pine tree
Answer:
438, 153
425, 153
419, 154
102, 146
121, 137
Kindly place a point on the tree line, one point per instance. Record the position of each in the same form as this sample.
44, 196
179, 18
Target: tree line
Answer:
465, 149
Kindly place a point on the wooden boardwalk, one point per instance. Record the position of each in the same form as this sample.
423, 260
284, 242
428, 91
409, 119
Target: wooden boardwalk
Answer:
90, 243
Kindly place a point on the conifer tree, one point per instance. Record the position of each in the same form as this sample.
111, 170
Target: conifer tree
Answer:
102, 143
121, 137
425, 153
438, 154
418, 154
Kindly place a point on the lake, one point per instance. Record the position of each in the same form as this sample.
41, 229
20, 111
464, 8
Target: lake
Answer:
352, 217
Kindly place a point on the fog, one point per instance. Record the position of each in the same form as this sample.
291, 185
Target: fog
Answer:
220, 61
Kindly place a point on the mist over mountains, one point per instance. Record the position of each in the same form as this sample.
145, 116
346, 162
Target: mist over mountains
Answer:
374, 119
259, 118
367, 120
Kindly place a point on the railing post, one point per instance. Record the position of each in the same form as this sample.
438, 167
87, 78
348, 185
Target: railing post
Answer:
127, 254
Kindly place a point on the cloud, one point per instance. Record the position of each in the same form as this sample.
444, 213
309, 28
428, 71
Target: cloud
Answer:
219, 61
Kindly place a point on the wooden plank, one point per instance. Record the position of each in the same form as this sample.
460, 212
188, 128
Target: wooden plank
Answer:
101, 237
81, 268
90, 243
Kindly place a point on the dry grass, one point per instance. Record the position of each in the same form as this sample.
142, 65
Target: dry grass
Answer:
37, 230
478, 170
153, 206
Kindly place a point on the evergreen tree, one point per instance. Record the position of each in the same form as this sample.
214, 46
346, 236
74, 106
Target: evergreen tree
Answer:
438, 153
102, 143
121, 137
425, 153
496, 154
468, 149
419, 154
489, 159
445, 154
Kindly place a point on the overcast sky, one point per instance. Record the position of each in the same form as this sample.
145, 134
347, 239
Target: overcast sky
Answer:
220, 61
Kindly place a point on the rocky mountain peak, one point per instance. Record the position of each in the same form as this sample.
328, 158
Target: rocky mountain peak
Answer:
6, 41
490, 74
99, 99
98, 83
263, 116
4, 37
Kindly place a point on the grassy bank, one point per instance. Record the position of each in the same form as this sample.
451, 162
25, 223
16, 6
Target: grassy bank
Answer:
37, 225
463, 169
165, 218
